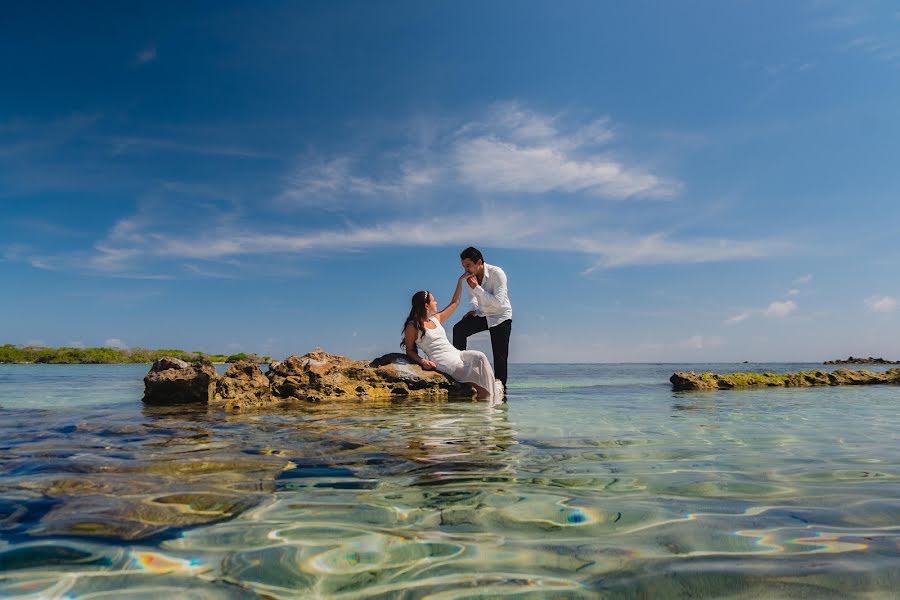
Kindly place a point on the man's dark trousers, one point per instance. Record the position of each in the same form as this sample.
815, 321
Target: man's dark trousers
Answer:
499, 340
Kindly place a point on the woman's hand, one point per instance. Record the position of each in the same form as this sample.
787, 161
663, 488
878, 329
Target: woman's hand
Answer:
427, 365
472, 281
465, 275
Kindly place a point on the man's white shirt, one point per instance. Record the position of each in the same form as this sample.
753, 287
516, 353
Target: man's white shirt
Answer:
491, 298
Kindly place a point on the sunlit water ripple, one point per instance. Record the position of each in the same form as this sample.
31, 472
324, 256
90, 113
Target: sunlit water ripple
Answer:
592, 481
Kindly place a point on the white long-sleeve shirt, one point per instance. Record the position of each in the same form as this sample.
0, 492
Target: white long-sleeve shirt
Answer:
491, 298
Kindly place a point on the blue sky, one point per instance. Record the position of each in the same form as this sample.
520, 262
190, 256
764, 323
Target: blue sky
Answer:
661, 181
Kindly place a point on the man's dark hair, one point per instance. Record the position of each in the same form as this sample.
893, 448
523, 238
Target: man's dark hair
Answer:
473, 254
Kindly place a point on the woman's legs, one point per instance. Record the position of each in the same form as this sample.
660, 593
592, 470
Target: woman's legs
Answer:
477, 371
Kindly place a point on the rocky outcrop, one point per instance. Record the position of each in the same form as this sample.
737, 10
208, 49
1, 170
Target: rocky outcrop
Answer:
313, 377
688, 381
174, 381
854, 360
318, 375
242, 386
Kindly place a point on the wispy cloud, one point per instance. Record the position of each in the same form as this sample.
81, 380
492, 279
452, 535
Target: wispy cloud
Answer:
520, 160
876, 46
803, 279
619, 250
314, 183
494, 165
741, 316
146, 55
780, 309
700, 342
132, 241
133, 144
881, 304
775, 310
511, 150
522, 151
115, 343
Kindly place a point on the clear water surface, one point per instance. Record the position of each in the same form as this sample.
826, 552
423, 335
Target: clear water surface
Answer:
593, 481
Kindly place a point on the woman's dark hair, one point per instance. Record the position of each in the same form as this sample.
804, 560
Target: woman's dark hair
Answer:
417, 314
473, 254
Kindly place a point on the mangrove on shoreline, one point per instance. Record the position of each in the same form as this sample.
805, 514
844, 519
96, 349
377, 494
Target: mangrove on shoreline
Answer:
101, 356
688, 381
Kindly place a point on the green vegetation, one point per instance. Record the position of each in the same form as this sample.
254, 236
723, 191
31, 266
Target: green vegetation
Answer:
717, 381
96, 356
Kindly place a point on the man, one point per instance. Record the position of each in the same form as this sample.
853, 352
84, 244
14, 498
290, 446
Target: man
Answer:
491, 310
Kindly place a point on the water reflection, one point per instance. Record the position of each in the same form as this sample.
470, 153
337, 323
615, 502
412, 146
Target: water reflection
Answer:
607, 490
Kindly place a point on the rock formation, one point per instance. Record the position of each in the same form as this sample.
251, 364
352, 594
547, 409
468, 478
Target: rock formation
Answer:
690, 380
319, 375
854, 360
313, 377
174, 381
243, 385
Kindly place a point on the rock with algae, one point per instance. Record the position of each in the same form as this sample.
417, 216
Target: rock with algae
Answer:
242, 386
687, 381
314, 377
318, 376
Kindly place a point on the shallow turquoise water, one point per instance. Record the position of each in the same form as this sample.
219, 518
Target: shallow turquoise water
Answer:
593, 481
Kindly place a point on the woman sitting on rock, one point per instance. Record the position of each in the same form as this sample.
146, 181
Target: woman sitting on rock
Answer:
423, 329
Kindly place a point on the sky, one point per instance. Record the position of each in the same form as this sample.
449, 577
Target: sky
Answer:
662, 182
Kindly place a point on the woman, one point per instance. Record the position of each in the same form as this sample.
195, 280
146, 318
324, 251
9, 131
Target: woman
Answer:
423, 329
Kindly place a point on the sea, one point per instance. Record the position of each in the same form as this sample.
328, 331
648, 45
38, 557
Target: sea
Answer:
590, 481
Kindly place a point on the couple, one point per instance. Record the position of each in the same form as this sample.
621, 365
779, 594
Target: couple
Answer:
491, 310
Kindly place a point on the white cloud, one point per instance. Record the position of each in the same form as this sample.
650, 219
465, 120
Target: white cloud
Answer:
522, 151
881, 304
656, 248
699, 342
793, 292
36, 344
146, 55
511, 229
877, 47
522, 125
512, 150
76, 344
494, 165
313, 183
803, 279
741, 316
775, 310
115, 343
780, 309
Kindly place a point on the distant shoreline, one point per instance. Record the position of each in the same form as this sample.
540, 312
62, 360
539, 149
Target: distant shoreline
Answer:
27, 355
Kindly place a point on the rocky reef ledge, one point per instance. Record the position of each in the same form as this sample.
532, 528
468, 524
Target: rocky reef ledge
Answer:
313, 377
687, 381
856, 360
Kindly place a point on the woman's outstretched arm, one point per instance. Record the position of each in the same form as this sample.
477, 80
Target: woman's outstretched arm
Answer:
454, 303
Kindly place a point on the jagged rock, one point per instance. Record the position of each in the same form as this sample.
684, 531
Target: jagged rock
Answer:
174, 381
689, 381
315, 376
243, 386
319, 375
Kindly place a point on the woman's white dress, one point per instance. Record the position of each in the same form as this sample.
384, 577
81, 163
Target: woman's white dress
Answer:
470, 366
